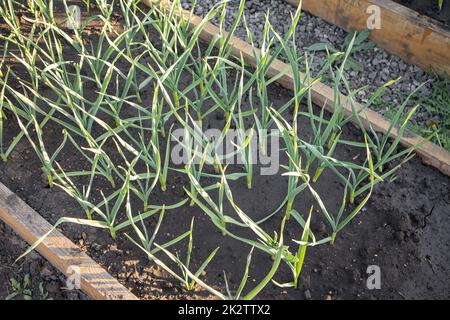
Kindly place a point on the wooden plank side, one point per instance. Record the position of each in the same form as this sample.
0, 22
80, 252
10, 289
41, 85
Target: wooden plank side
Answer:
58, 250
323, 95
415, 38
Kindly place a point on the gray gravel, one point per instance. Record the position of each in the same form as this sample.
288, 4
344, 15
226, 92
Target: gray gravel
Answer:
379, 65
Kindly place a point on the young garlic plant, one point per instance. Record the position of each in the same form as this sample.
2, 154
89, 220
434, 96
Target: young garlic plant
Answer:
297, 264
245, 145
3, 153
107, 210
290, 138
190, 284
271, 245
384, 151
194, 158
340, 220
146, 243
27, 119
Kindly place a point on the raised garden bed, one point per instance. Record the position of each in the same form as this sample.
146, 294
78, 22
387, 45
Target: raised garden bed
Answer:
403, 216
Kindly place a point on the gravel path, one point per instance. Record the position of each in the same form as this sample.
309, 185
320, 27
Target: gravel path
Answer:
379, 65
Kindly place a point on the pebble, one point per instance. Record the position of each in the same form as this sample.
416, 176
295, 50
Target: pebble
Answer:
34, 267
52, 287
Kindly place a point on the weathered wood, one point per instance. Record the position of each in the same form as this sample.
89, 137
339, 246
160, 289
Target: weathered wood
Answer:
323, 95
58, 250
415, 38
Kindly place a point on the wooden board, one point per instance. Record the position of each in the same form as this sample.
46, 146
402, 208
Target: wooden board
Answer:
322, 95
415, 38
58, 250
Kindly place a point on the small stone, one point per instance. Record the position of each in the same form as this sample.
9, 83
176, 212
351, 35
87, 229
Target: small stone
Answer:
96, 246
52, 287
415, 237
46, 272
400, 235
34, 267
319, 227
33, 255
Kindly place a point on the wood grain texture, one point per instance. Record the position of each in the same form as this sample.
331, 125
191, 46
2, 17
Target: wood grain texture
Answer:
58, 250
417, 39
323, 95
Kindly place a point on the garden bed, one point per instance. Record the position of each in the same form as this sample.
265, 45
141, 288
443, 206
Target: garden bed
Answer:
404, 227
404, 230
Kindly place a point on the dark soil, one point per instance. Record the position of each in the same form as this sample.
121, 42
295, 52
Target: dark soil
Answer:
430, 8
404, 228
